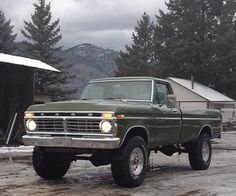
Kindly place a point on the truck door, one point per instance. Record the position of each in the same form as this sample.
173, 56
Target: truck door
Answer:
165, 128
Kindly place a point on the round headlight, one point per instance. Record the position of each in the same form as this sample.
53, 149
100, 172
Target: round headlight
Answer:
31, 125
105, 126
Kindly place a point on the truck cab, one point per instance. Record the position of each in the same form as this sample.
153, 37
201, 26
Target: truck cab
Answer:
119, 121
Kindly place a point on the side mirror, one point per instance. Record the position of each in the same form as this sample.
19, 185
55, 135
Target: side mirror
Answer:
171, 101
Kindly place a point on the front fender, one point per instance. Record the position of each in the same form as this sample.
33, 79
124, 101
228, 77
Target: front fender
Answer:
137, 130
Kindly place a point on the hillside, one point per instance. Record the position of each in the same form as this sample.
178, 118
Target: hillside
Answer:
90, 62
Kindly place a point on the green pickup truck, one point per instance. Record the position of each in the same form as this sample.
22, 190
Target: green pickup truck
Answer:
119, 121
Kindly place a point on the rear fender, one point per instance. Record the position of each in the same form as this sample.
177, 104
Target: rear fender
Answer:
206, 129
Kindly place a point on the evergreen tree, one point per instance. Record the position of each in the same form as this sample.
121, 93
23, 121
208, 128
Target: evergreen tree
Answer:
198, 38
139, 58
42, 37
6, 35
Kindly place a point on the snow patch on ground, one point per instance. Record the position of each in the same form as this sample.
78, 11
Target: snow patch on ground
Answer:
16, 151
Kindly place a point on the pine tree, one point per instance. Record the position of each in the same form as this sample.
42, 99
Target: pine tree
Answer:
42, 36
225, 50
197, 38
7, 37
138, 59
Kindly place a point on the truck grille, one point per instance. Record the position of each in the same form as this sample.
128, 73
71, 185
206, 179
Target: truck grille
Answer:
68, 125
88, 125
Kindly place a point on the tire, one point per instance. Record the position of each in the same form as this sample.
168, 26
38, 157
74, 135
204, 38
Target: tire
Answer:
49, 165
200, 153
129, 166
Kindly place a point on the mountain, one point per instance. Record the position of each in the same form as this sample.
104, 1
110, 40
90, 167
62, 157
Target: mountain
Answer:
89, 62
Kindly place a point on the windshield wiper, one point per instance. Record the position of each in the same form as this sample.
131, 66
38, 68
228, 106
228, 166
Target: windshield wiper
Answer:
114, 98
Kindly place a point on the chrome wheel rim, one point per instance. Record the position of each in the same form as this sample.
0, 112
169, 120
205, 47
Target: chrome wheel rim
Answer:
205, 151
136, 162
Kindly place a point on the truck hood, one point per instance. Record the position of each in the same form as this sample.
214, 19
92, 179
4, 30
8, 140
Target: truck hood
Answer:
94, 106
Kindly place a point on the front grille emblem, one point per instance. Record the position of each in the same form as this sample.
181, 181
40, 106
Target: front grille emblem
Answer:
90, 114
64, 124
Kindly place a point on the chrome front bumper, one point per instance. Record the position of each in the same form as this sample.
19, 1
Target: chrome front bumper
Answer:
71, 142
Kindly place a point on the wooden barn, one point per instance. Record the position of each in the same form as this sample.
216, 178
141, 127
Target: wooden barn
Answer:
16, 94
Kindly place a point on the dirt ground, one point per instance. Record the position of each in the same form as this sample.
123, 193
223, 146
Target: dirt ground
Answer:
168, 176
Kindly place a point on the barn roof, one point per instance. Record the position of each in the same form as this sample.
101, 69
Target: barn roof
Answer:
203, 91
18, 60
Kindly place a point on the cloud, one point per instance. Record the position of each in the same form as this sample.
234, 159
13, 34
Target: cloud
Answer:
107, 23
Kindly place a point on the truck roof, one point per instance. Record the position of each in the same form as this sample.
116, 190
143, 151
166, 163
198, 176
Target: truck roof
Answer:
127, 78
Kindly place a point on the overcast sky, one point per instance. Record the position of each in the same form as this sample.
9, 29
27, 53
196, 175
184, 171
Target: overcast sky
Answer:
106, 23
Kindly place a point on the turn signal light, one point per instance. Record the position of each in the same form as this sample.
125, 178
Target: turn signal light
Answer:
120, 116
107, 115
28, 115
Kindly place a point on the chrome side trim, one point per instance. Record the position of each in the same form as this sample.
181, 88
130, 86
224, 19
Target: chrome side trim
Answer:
150, 118
169, 118
201, 119
72, 142
132, 127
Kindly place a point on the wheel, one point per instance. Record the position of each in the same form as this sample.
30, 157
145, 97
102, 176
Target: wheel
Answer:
200, 153
49, 165
129, 166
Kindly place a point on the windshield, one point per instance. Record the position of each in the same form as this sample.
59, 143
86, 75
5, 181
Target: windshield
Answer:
125, 90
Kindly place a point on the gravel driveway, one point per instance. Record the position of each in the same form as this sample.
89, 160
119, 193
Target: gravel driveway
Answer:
168, 175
